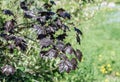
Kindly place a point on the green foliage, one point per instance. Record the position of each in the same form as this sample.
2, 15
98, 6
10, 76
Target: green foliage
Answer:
28, 65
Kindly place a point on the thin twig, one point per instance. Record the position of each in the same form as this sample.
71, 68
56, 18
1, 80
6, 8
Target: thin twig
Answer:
24, 23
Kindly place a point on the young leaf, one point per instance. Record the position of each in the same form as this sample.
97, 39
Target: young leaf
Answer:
61, 36
78, 31
7, 37
78, 38
59, 45
23, 6
46, 13
11, 48
29, 14
62, 13
7, 12
65, 65
47, 6
52, 53
65, 27
52, 2
39, 30
9, 26
45, 42
68, 49
78, 54
20, 43
74, 63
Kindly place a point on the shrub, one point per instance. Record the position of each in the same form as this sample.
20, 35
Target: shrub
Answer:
50, 30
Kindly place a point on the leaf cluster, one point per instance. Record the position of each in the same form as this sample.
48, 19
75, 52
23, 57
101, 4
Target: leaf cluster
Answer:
46, 23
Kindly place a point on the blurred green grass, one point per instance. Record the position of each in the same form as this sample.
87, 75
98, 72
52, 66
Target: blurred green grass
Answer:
100, 47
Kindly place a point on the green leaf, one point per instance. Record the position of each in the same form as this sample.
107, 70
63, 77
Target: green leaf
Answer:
21, 68
46, 1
